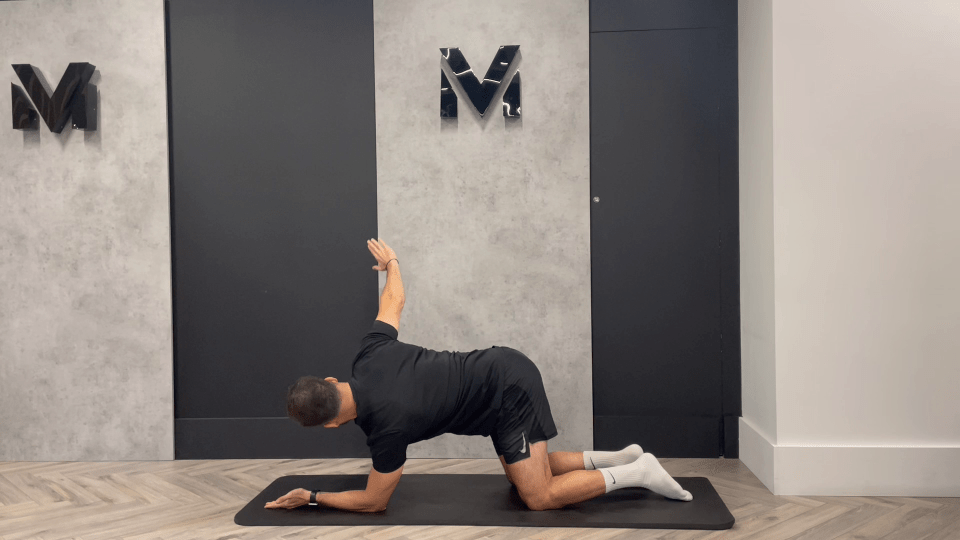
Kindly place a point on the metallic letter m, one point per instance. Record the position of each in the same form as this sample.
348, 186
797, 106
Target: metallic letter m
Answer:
481, 94
74, 97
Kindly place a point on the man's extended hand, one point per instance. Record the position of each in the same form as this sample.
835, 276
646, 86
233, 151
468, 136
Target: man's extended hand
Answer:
382, 252
295, 498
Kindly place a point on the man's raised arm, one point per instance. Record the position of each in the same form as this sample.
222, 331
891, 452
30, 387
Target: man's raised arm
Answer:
391, 301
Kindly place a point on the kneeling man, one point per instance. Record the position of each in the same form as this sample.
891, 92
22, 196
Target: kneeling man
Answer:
400, 394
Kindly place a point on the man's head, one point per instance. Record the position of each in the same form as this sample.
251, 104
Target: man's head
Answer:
313, 401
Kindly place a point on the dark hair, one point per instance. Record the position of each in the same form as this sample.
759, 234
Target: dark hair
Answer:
312, 401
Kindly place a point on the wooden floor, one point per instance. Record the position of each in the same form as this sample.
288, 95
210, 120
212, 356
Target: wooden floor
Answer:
198, 499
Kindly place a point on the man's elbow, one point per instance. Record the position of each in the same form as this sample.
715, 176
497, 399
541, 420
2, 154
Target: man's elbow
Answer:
376, 504
376, 507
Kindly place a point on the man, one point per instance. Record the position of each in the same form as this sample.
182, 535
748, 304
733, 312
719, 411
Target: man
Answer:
400, 394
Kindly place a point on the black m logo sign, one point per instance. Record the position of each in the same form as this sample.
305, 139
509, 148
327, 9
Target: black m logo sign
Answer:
74, 97
481, 94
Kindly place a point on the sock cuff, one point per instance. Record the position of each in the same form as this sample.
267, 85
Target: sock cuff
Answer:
600, 459
608, 480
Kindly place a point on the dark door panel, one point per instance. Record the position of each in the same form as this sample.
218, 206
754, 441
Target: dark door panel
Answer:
273, 177
655, 240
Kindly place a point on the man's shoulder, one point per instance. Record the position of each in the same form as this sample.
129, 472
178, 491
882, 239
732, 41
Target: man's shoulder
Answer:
384, 429
382, 330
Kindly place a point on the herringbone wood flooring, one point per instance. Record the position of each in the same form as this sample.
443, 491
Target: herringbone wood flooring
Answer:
198, 499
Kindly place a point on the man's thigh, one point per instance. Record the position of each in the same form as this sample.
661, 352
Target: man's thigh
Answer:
532, 474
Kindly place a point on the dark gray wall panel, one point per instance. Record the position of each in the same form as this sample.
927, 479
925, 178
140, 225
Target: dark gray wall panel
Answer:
664, 236
655, 233
663, 435
728, 146
274, 194
621, 15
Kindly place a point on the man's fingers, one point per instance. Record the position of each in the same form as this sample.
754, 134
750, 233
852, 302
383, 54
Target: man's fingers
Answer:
379, 252
287, 501
374, 248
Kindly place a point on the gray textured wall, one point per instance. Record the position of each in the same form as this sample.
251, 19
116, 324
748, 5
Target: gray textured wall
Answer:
491, 222
85, 305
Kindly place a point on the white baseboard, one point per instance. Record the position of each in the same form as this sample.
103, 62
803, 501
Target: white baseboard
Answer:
756, 452
868, 471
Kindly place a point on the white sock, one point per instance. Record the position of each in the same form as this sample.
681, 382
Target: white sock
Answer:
598, 460
645, 472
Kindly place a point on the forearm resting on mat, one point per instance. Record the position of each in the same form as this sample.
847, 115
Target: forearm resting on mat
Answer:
354, 501
380, 488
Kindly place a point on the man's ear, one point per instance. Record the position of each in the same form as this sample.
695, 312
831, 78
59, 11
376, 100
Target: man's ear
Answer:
331, 379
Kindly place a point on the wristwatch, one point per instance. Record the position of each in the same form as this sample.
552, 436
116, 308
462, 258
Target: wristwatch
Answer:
313, 496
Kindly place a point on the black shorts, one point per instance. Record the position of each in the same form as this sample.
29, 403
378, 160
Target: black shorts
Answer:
524, 416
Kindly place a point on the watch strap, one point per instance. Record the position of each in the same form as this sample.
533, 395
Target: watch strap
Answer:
313, 496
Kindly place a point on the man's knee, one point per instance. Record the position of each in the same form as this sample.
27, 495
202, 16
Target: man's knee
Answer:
537, 499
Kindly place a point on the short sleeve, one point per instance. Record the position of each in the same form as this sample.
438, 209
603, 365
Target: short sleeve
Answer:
389, 453
380, 331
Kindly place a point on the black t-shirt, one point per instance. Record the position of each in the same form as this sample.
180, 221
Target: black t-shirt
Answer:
406, 394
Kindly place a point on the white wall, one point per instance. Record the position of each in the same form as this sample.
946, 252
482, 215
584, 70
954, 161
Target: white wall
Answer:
756, 216
85, 307
757, 335
866, 244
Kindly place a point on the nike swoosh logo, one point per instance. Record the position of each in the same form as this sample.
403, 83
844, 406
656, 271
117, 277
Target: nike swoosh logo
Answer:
523, 449
614, 478
592, 464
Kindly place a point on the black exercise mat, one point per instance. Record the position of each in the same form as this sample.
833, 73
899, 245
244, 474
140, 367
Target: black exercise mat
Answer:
490, 500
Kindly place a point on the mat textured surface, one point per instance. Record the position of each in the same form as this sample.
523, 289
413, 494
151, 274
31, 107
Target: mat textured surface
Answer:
489, 500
